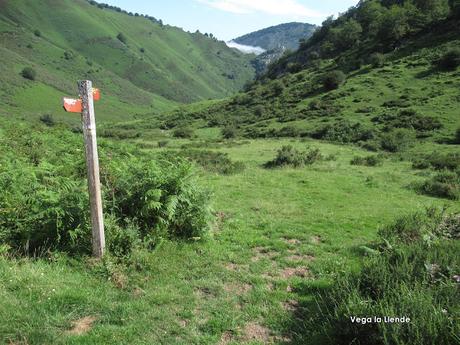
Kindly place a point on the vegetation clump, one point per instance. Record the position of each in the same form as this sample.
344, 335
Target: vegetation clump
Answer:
370, 161
48, 120
411, 272
183, 132
450, 60
44, 200
445, 184
290, 156
333, 80
216, 162
29, 73
122, 38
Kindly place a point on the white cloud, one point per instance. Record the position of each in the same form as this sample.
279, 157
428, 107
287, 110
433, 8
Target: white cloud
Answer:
273, 7
245, 49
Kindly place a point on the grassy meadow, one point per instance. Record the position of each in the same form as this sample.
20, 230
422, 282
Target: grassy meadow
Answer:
278, 237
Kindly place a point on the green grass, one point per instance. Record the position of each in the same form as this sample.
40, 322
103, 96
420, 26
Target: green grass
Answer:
238, 280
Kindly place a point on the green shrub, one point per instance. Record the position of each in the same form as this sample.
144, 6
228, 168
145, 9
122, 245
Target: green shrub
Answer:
410, 274
183, 132
450, 60
457, 136
48, 120
445, 184
377, 60
142, 50
122, 38
449, 161
333, 80
163, 143
344, 131
216, 162
29, 73
229, 132
37, 33
370, 161
397, 140
44, 201
289, 156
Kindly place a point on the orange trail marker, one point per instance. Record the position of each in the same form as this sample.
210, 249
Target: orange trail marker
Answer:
72, 105
96, 94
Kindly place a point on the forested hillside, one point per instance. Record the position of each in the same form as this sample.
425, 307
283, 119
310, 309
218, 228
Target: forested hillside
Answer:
139, 63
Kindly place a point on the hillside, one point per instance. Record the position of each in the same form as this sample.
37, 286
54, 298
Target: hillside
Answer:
285, 36
380, 87
141, 65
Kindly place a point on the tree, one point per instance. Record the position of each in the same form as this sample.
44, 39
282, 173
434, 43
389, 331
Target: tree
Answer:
377, 60
433, 10
229, 132
333, 80
29, 73
370, 15
347, 35
122, 38
450, 60
394, 24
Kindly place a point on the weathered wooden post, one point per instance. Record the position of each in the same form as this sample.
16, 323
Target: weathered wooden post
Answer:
85, 105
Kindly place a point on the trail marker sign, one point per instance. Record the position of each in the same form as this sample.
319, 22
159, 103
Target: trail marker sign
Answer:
85, 106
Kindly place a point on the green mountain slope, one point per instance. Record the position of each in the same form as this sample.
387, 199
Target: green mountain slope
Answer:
391, 85
285, 36
140, 65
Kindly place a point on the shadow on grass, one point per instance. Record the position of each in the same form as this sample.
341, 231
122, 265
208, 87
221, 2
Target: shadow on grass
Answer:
305, 326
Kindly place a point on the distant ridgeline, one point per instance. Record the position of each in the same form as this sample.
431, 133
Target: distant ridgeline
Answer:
276, 40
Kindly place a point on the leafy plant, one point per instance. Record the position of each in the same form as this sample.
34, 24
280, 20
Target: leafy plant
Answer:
450, 60
333, 80
29, 73
289, 156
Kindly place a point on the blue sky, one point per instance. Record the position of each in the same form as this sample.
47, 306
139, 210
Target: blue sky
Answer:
229, 19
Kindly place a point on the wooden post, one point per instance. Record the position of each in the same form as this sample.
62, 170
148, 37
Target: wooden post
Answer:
92, 163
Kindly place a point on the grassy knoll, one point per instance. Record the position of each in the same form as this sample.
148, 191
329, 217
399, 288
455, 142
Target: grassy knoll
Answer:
278, 236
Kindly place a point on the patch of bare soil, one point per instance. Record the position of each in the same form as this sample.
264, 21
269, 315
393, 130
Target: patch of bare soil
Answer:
298, 257
291, 305
219, 221
294, 272
255, 332
82, 326
263, 253
315, 239
235, 267
293, 241
226, 338
237, 289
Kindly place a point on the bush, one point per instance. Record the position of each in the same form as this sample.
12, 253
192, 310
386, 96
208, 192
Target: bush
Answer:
370, 161
439, 161
37, 33
229, 132
450, 60
29, 73
457, 136
48, 120
377, 60
216, 162
163, 143
44, 201
122, 38
142, 50
289, 156
344, 131
183, 132
397, 140
409, 275
333, 80
445, 184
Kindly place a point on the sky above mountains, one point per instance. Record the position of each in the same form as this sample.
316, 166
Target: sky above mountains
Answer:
228, 19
